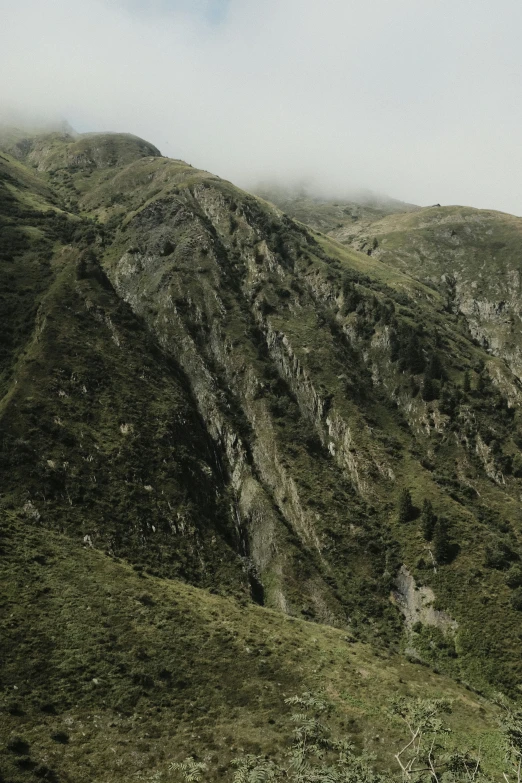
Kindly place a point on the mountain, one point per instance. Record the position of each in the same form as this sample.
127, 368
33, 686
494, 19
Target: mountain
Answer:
470, 256
207, 406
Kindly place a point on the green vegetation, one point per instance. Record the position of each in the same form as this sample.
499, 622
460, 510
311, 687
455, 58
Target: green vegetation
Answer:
428, 519
406, 509
315, 755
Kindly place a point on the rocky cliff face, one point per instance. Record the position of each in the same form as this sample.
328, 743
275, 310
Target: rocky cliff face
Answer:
206, 388
471, 256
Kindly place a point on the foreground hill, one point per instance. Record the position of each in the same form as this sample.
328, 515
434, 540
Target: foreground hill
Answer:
199, 386
111, 674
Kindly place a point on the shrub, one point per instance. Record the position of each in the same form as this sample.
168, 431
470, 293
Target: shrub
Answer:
516, 599
18, 745
441, 542
514, 576
60, 736
499, 555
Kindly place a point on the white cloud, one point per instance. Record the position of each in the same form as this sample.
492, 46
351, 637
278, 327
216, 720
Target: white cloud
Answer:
421, 100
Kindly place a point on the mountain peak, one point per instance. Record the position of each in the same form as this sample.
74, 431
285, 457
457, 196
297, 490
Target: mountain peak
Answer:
66, 149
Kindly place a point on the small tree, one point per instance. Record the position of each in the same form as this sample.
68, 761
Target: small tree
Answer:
405, 509
428, 519
430, 389
435, 369
441, 542
424, 758
512, 731
413, 354
466, 385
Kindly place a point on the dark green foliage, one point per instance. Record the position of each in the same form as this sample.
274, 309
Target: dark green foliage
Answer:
499, 555
434, 369
514, 576
430, 389
18, 745
516, 599
405, 507
60, 736
516, 465
409, 353
434, 374
428, 519
441, 541
449, 400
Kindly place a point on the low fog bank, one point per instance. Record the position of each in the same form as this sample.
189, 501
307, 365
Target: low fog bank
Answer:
19, 123
418, 101
30, 121
324, 192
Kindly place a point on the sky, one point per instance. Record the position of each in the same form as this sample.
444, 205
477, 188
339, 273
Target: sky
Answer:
417, 99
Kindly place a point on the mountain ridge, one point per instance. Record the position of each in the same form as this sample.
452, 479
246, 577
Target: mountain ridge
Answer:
470, 255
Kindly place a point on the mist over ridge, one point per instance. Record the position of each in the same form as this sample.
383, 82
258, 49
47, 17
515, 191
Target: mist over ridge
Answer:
418, 102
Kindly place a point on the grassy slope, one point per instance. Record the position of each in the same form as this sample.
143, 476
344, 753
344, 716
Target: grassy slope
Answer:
465, 586
480, 249
138, 671
473, 257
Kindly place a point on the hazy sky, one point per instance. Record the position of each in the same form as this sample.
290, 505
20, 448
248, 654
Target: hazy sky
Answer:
419, 99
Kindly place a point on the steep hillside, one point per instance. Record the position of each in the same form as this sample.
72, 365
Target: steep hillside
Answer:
470, 256
197, 384
473, 258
